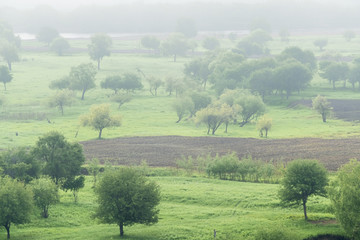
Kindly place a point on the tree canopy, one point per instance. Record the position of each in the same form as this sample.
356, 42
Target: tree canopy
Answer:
45, 194
99, 47
83, 78
59, 45
9, 52
5, 75
175, 44
322, 106
47, 35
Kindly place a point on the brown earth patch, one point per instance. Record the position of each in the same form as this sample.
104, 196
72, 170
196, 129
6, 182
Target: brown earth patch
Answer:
165, 150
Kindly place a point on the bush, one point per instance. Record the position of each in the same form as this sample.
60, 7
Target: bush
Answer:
275, 234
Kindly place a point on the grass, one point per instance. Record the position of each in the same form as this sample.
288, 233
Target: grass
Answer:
191, 207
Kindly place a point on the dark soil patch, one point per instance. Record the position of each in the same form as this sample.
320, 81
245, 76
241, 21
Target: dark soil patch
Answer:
165, 150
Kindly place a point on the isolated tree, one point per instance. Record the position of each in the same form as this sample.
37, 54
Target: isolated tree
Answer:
62, 160
45, 194
183, 106
16, 203
154, 84
47, 35
186, 26
322, 106
59, 45
175, 44
61, 99
99, 47
74, 184
336, 71
19, 164
211, 43
264, 124
5, 75
302, 179
344, 193
349, 35
321, 43
126, 197
83, 78
150, 42
94, 169
9, 52
112, 82
131, 82
99, 118
121, 99
61, 83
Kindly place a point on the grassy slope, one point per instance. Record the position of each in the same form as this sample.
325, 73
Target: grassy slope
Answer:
190, 209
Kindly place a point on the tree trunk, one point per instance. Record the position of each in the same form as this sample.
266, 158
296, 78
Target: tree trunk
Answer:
333, 84
61, 109
305, 214
266, 132
100, 133
323, 117
5, 85
83, 94
121, 225
226, 126
7, 226
98, 64
174, 57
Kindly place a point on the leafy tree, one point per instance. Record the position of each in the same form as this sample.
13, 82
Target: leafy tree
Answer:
252, 106
348, 35
214, 115
45, 194
200, 100
15, 203
99, 118
198, 70
303, 178
259, 36
322, 106
262, 81
94, 169
183, 106
99, 47
321, 43
354, 75
170, 84
292, 76
344, 193
154, 84
264, 124
121, 99
47, 35
60, 44
250, 48
5, 75
175, 45
186, 26
62, 160
61, 83
7, 34
150, 42
284, 35
229, 97
126, 197
60, 99
112, 82
9, 52
211, 43
303, 56
336, 71
82, 78
74, 184
20, 165
131, 82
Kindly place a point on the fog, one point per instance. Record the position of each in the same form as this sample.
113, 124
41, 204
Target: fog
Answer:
143, 16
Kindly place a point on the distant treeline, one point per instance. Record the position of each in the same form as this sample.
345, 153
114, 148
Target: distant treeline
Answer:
163, 17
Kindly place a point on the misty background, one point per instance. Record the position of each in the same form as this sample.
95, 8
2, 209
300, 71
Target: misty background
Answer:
130, 16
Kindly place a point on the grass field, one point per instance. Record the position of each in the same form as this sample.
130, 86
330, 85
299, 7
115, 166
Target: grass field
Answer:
191, 207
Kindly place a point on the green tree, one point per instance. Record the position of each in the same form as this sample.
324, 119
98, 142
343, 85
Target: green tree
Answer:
150, 42
322, 106
126, 197
303, 178
201, 100
9, 52
60, 99
303, 56
252, 106
183, 106
321, 43
99, 118
121, 99
354, 75
61, 83
211, 43
154, 84
62, 160
175, 44
348, 35
7, 34
47, 35
284, 35
16, 203
82, 78
45, 194
262, 81
112, 82
5, 75
99, 47
74, 184
344, 193
59, 45
199, 70
131, 82
336, 71
264, 124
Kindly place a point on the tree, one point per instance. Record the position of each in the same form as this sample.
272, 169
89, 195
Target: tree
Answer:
150, 42
112, 82
9, 52
121, 99
45, 194
336, 71
262, 81
322, 106
126, 197
183, 106
7, 34
82, 78
284, 35
94, 169
302, 179
303, 56
201, 100
154, 84
99, 47
60, 99
321, 43
198, 70
60, 44
131, 82
16, 203
99, 118
175, 45
61, 83
354, 75
19, 164
74, 184
348, 35
252, 106
5, 75
186, 26
211, 43
264, 124
47, 35
345, 197
62, 160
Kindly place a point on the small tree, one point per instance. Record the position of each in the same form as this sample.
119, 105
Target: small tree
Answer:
94, 169
154, 84
99, 47
47, 35
348, 35
303, 178
99, 118
264, 124
322, 106
252, 107
61, 83
211, 43
82, 78
9, 52
121, 99
175, 45
60, 99
5, 75
321, 43
16, 203
45, 194
59, 45
74, 184
150, 42
126, 197
183, 106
